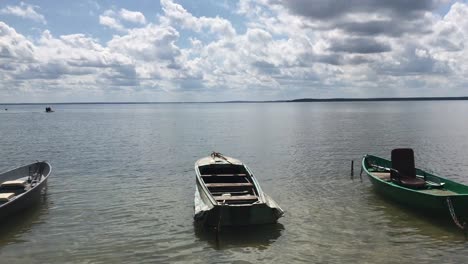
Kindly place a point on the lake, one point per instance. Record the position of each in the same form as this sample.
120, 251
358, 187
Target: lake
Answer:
123, 181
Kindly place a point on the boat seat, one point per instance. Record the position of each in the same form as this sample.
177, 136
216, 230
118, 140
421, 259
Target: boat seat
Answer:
414, 183
20, 183
403, 169
227, 175
233, 198
5, 197
234, 184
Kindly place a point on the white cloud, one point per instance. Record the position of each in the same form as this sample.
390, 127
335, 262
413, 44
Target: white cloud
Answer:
108, 19
176, 15
25, 11
69, 62
132, 16
14, 47
277, 54
116, 20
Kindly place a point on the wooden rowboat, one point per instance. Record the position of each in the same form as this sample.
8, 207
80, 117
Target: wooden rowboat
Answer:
22, 187
401, 182
228, 194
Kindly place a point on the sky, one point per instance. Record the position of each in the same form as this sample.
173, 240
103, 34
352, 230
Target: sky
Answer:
222, 50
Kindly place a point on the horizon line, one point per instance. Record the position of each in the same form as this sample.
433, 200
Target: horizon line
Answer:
432, 98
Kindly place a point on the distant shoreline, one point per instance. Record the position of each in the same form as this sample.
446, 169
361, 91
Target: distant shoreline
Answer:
301, 100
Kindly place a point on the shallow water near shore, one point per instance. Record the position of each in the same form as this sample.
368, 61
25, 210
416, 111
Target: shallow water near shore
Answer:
123, 182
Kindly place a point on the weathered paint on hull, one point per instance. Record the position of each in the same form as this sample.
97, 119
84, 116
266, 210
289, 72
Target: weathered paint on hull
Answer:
240, 215
234, 215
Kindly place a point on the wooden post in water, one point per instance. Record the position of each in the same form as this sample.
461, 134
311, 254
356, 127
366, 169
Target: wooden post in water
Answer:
352, 169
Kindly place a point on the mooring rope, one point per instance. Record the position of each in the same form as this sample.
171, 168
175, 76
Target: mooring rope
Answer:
215, 154
454, 216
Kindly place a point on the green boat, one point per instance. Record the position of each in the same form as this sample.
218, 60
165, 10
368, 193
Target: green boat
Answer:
401, 182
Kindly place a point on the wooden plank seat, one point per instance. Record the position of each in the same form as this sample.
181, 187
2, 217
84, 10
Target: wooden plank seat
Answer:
5, 197
227, 175
20, 183
234, 198
233, 184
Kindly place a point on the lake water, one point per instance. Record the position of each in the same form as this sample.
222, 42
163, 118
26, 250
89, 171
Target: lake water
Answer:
123, 181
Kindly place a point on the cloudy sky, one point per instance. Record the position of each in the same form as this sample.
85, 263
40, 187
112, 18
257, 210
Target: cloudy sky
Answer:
214, 50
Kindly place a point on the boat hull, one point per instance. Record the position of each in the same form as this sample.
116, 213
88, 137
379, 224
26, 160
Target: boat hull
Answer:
434, 204
26, 201
233, 215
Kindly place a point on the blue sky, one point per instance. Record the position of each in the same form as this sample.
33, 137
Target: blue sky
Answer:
174, 50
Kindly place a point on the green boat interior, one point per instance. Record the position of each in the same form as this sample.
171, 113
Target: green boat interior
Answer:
229, 183
392, 171
431, 188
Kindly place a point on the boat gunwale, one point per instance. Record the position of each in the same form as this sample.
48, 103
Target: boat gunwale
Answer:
391, 184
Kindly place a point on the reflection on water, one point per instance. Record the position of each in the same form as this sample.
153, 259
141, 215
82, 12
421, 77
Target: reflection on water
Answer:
259, 236
398, 216
123, 182
15, 226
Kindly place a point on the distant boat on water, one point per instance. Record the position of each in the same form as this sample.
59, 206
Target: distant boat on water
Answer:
228, 194
49, 109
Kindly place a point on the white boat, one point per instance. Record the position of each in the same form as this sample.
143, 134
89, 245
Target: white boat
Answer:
228, 194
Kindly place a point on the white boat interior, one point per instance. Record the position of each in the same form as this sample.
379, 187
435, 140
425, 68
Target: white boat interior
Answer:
229, 183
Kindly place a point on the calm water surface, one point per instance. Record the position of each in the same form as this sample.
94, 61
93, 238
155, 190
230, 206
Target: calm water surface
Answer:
123, 181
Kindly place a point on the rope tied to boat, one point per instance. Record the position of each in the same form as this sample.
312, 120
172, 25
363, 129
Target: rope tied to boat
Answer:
454, 216
215, 154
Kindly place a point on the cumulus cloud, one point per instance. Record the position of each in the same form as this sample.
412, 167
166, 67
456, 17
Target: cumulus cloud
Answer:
132, 16
25, 11
359, 45
414, 61
282, 49
115, 20
177, 15
108, 19
63, 61
324, 9
14, 47
152, 43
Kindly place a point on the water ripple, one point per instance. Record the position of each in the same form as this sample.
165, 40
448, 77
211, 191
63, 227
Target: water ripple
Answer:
123, 182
